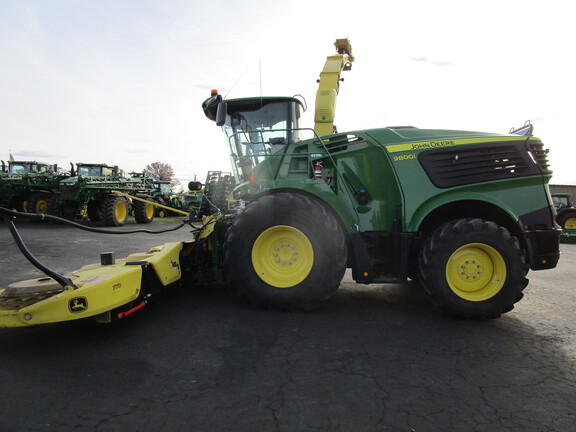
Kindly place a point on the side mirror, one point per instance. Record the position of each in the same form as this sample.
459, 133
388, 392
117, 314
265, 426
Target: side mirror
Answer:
221, 113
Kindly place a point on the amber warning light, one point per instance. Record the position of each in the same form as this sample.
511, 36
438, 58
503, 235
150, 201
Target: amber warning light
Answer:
214, 92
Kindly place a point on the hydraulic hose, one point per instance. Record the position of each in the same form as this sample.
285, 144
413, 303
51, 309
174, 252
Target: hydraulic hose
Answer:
51, 218
65, 282
62, 280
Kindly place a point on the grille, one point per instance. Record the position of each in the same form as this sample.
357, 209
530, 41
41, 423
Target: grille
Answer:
476, 164
540, 155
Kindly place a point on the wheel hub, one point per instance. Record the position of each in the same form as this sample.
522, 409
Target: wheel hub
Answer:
282, 256
42, 206
285, 254
476, 272
570, 223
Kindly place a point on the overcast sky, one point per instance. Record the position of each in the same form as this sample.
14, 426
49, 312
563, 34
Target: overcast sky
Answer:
122, 81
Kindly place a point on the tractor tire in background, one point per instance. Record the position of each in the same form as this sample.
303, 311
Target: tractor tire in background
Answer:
39, 202
114, 210
567, 219
54, 206
285, 251
143, 212
20, 205
473, 268
94, 211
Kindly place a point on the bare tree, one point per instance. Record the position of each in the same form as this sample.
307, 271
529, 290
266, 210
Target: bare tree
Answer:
159, 171
162, 171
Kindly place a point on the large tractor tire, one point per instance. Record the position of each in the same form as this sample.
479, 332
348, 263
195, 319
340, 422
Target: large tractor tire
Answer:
39, 202
55, 206
114, 210
473, 268
143, 212
94, 211
567, 219
285, 251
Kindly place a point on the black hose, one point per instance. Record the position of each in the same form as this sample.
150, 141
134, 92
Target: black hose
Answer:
62, 280
8, 215
51, 218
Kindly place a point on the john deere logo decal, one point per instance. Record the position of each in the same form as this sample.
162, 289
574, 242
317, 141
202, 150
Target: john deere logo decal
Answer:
78, 304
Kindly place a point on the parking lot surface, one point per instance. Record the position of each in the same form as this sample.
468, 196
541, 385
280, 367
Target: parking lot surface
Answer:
373, 358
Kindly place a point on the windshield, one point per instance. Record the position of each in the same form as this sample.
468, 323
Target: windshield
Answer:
165, 188
20, 168
560, 201
254, 134
95, 171
90, 171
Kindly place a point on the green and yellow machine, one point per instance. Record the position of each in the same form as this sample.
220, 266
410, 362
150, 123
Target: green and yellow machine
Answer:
103, 194
29, 186
565, 216
447, 208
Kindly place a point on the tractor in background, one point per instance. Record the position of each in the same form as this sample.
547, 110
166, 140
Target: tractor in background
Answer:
565, 216
29, 185
90, 192
565, 210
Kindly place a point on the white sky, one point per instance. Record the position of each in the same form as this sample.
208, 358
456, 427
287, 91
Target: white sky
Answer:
122, 81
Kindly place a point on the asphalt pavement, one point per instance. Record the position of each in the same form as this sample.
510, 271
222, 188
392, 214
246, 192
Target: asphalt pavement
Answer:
373, 358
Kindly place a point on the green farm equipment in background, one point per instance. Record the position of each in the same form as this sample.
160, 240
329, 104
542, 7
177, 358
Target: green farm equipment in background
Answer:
90, 192
29, 185
565, 216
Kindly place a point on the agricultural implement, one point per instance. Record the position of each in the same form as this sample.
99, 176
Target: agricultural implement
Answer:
89, 192
447, 208
566, 216
29, 185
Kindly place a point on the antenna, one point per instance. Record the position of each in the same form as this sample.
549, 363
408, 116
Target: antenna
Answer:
260, 70
234, 85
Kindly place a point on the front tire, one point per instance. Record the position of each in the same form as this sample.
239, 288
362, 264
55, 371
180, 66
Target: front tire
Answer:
143, 212
473, 268
285, 251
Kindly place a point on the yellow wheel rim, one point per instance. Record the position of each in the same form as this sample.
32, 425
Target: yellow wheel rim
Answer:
282, 256
42, 206
149, 211
570, 223
121, 211
476, 272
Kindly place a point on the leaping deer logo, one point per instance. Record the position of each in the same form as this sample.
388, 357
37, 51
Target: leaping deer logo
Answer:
78, 304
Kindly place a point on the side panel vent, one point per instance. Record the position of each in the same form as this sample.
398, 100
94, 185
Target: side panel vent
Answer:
344, 142
477, 164
540, 155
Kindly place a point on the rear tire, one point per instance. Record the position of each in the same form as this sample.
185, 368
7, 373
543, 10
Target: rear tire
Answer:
143, 212
285, 251
94, 211
114, 210
473, 269
39, 202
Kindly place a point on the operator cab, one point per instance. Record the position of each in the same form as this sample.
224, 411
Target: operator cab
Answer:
94, 170
20, 168
255, 128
